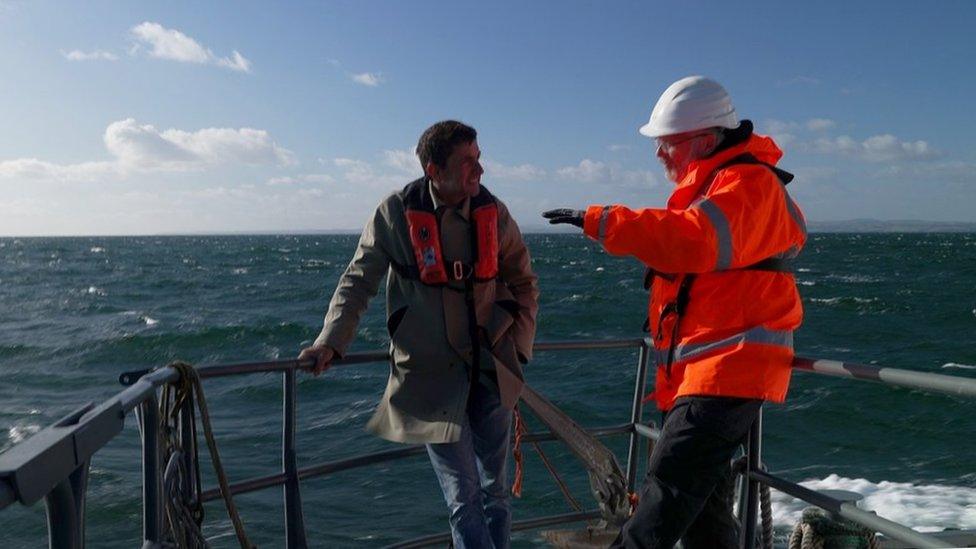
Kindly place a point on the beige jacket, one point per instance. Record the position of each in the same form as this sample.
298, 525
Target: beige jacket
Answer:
426, 395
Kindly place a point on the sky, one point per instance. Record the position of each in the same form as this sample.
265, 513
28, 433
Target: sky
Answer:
185, 117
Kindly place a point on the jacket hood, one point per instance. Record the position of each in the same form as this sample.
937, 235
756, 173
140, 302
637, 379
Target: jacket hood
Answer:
738, 141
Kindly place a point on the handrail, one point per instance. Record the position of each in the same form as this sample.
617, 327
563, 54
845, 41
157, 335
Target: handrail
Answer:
55, 460
910, 379
362, 460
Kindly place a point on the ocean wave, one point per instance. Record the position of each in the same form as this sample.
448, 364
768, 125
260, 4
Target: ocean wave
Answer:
924, 507
959, 366
855, 278
94, 290
97, 250
806, 282
842, 300
7, 351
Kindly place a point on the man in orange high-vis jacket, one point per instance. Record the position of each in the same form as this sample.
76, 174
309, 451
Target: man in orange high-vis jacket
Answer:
723, 305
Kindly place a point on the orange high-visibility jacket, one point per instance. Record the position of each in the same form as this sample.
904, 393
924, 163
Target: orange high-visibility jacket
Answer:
735, 337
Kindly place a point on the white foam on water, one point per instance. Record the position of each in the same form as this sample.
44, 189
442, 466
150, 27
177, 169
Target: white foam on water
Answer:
924, 507
239, 271
94, 290
149, 320
854, 278
806, 282
959, 366
834, 300
599, 269
17, 433
97, 250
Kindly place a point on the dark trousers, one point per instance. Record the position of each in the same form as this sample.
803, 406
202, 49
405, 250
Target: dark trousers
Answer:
689, 487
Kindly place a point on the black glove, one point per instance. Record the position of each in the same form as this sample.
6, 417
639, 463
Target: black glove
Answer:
565, 215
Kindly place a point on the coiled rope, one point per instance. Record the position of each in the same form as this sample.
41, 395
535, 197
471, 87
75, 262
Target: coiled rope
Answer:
184, 510
817, 529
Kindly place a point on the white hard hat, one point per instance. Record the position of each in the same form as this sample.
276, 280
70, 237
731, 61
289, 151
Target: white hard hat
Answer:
692, 103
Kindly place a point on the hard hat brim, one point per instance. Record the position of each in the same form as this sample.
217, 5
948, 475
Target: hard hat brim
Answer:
648, 130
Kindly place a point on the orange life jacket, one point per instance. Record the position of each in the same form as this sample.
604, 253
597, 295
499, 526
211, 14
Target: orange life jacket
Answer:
727, 225
423, 225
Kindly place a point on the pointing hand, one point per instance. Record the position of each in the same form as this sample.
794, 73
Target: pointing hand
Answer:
565, 215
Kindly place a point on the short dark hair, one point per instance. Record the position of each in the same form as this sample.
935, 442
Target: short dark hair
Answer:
438, 141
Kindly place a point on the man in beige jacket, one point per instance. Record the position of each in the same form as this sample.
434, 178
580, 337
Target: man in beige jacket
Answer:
461, 306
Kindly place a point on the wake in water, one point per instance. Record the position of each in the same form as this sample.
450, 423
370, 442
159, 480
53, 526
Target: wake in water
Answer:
924, 507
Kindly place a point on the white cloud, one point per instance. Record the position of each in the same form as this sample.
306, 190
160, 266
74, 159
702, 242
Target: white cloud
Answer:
33, 169
587, 171
950, 171
96, 55
318, 178
236, 62
820, 124
786, 131
142, 148
878, 148
371, 79
782, 132
403, 160
808, 174
521, 172
174, 45
360, 174
593, 171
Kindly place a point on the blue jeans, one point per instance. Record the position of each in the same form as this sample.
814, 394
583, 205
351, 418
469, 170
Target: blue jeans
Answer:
473, 473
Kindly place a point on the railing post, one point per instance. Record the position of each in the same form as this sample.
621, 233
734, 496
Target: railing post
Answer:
636, 413
751, 487
66, 510
152, 494
294, 518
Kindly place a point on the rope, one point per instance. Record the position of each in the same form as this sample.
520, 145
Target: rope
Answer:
185, 515
517, 454
520, 431
182, 507
766, 510
817, 529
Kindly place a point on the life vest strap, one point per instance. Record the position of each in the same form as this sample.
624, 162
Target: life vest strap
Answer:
459, 271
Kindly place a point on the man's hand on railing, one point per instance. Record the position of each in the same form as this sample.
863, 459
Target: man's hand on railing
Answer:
323, 356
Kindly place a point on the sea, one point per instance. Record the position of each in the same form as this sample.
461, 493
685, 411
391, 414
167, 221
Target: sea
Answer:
77, 312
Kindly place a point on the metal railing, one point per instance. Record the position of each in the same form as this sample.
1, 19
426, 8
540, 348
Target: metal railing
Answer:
53, 464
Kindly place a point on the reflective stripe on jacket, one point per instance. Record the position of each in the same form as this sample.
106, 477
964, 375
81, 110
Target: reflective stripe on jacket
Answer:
736, 336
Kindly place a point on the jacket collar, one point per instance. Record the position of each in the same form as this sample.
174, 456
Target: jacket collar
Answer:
738, 141
464, 208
